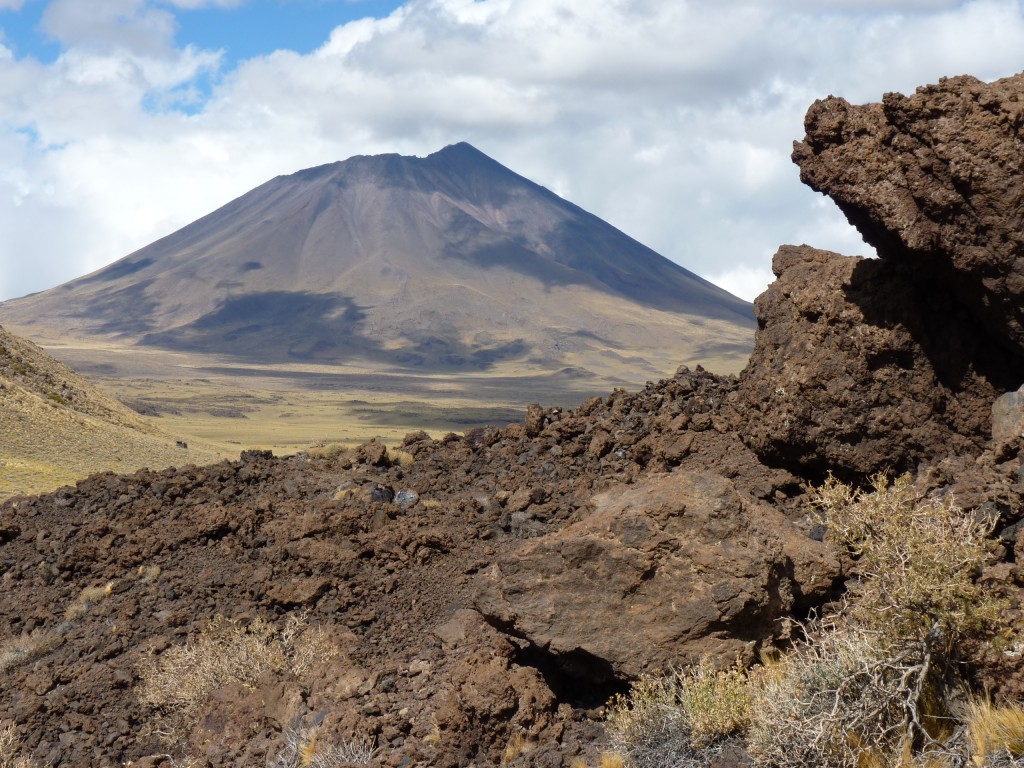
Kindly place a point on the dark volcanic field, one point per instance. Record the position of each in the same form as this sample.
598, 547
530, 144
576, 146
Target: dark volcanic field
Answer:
265, 537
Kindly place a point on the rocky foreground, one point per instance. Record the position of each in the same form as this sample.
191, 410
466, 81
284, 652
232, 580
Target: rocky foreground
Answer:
477, 599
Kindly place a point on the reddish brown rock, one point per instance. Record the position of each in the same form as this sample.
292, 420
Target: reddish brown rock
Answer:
932, 181
857, 369
657, 574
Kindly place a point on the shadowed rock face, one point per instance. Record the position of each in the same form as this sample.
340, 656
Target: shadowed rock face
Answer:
933, 181
860, 367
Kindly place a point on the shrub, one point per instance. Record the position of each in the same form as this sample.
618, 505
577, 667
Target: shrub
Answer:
849, 699
683, 719
178, 682
304, 749
10, 750
916, 559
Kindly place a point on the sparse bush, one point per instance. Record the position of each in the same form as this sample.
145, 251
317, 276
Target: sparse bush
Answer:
10, 750
848, 698
88, 597
180, 680
683, 719
874, 686
916, 559
304, 749
26, 647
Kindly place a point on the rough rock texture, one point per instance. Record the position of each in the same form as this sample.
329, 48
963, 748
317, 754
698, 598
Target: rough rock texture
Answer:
1008, 418
688, 564
932, 180
858, 368
394, 583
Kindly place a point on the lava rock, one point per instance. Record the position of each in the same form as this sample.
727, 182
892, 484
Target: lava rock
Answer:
857, 368
689, 564
932, 181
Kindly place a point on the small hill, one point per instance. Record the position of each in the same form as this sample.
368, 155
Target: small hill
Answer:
446, 263
56, 428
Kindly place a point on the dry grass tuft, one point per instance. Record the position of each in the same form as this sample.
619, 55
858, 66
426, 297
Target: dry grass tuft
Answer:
148, 573
343, 493
612, 760
994, 730
518, 744
683, 719
305, 749
178, 682
87, 598
26, 647
400, 457
10, 750
326, 450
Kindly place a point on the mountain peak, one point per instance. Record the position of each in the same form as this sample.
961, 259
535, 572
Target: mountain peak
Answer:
447, 261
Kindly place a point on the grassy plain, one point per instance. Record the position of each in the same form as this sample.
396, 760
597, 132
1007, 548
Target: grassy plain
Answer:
288, 408
46, 445
219, 406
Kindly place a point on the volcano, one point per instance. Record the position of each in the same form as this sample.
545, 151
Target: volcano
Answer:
441, 263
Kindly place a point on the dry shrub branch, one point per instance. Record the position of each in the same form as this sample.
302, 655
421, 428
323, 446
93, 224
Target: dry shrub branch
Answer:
917, 559
684, 719
875, 686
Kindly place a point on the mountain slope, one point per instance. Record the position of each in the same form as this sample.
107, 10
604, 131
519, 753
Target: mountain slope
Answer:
56, 428
447, 262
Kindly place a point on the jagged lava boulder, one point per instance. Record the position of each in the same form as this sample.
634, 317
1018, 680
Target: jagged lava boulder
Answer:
678, 566
933, 180
858, 368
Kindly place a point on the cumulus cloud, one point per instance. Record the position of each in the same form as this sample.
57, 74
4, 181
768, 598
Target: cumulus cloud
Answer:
673, 121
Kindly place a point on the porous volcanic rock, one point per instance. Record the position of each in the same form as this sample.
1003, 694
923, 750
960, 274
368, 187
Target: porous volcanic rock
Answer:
932, 180
859, 368
691, 566
326, 540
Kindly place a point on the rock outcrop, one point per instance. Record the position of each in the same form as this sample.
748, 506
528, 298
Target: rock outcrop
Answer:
867, 365
932, 181
693, 567
859, 368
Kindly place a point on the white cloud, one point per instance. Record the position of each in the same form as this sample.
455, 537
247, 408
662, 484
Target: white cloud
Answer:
100, 24
746, 282
11, 5
673, 121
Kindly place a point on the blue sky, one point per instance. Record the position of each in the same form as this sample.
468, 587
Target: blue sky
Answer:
241, 31
124, 120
